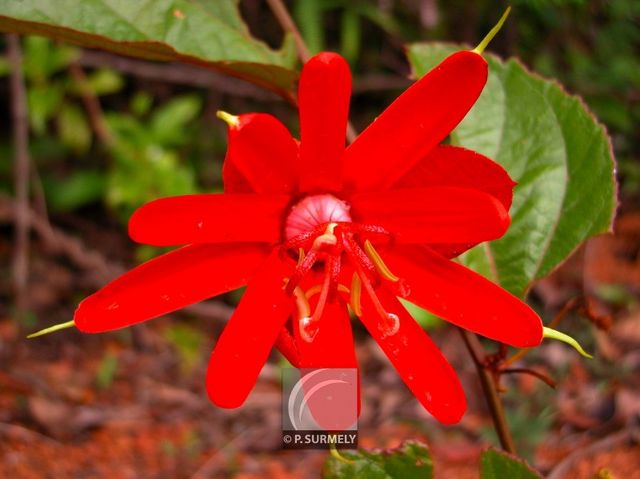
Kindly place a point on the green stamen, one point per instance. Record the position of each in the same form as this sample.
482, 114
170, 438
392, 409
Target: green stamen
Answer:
52, 329
565, 338
492, 33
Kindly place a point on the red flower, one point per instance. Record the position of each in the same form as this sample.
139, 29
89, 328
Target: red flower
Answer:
312, 227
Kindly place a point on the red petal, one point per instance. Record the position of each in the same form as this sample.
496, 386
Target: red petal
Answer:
261, 154
334, 334
167, 283
247, 339
234, 181
209, 218
449, 165
323, 97
454, 166
288, 347
415, 122
418, 360
434, 215
463, 297
333, 345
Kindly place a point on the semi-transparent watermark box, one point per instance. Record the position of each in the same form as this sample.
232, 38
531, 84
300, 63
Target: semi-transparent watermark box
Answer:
320, 408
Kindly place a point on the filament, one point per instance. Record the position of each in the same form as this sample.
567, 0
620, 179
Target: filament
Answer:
382, 268
354, 297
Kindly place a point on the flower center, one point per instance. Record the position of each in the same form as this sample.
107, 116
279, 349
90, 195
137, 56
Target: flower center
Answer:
320, 232
314, 211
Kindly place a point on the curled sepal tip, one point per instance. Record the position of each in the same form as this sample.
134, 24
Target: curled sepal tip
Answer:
228, 118
492, 33
336, 454
52, 329
565, 338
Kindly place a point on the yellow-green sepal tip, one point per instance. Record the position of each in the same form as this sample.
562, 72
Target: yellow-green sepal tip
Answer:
52, 329
336, 454
492, 33
228, 118
565, 338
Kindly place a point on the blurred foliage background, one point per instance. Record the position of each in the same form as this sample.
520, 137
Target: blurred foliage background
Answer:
111, 138
109, 133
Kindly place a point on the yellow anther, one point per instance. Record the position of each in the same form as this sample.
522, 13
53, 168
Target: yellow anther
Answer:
354, 297
228, 118
301, 256
304, 309
52, 329
565, 338
492, 33
313, 290
378, 263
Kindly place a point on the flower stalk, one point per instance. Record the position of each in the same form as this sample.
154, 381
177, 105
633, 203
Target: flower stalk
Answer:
490, 390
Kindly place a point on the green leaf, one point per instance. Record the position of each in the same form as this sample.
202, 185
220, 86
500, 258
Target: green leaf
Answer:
309, 17
82, 188
141, 103
5, 68
42, 58
73, 128
496, 464
410, 461
169, 121
554, 148
43, 101
204, 32
187, 342
107, 370
350, 35
424, 318
105, 82
144, 169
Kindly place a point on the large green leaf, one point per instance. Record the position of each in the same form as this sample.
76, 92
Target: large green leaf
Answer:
209, 33
496, 464
554, 148
409, 461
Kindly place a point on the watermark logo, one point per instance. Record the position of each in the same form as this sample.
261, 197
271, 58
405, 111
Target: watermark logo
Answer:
320, 408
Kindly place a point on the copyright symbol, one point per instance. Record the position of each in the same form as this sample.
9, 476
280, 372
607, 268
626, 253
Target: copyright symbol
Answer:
287, 439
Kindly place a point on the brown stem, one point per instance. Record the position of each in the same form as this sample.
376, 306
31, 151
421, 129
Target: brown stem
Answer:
177, 73
21, 175
288, 25
490, 390
91, 105
531, 372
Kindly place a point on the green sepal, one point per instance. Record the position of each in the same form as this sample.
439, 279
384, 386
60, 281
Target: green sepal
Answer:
565, 338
